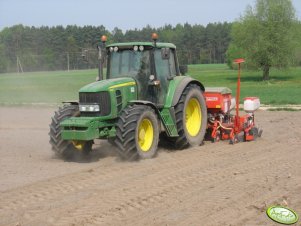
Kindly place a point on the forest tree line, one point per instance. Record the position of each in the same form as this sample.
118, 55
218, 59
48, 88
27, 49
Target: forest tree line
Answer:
24, 48
61, 48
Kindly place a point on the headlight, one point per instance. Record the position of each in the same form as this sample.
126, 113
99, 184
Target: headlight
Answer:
141, 48
89, 108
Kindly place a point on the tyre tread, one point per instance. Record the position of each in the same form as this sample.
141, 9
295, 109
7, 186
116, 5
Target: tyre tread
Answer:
60, 146
126, 129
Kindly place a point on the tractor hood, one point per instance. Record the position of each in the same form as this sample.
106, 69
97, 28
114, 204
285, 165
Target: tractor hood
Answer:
109, 84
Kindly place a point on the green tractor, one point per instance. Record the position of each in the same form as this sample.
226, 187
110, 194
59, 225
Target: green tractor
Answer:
143, 97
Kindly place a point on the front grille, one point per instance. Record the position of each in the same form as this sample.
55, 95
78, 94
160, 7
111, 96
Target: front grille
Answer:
101, 98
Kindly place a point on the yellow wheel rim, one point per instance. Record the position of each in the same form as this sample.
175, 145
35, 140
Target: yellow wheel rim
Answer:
193, 117
79, 144
145, 135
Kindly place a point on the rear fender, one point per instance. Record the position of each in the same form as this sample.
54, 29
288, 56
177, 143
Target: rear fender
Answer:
176, 88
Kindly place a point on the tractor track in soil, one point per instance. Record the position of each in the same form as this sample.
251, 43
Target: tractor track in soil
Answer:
214, 184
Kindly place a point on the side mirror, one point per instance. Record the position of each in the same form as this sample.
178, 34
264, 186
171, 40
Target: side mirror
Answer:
183, 69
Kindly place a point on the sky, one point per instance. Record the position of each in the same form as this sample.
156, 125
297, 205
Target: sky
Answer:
124, 14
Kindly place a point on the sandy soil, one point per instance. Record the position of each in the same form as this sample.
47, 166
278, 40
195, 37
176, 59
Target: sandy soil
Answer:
214, 184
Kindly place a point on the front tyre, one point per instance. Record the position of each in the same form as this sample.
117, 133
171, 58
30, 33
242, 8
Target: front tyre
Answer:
137, 132
65, 148
191, 117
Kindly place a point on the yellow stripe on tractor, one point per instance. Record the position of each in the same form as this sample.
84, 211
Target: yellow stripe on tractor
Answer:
122, 85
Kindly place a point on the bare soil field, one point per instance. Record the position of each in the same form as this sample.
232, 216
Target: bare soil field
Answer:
214, 184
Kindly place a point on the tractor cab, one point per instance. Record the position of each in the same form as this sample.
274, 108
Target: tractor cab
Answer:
151, 65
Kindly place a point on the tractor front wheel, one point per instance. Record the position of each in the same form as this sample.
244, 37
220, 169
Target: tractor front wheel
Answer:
137, 132
65, 148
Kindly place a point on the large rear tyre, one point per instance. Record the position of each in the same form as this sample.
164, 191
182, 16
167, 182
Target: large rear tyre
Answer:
191, 118
137, 133
64, 148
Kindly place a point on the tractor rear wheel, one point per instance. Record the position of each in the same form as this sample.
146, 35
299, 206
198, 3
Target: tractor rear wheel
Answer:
137, 133
191, 118
65, 148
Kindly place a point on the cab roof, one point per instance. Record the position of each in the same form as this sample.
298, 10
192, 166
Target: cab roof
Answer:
151, 44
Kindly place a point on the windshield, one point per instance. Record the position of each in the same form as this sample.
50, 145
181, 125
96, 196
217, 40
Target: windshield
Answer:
129, 63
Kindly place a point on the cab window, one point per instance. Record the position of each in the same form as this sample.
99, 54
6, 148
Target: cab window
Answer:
165, 67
